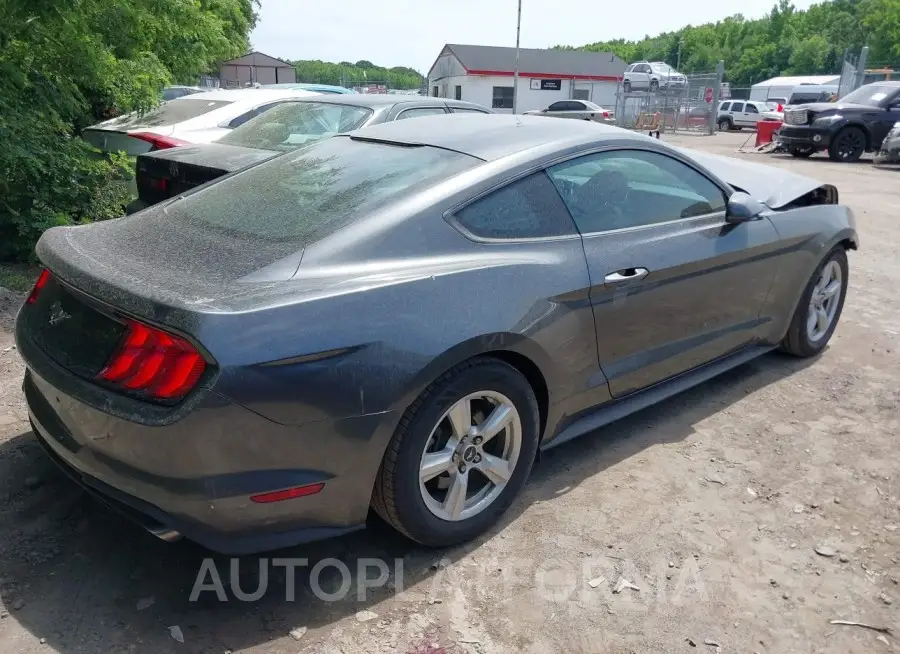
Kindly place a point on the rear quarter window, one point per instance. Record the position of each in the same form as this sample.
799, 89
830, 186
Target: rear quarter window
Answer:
527, 208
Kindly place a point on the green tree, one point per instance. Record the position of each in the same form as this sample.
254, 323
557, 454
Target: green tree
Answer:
785, 41
66, 65
323, 72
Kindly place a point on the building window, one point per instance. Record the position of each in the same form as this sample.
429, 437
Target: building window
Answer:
459, 93
581, 94
503, 97
434, 91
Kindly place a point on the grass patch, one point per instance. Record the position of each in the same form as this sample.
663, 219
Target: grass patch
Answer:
18, 277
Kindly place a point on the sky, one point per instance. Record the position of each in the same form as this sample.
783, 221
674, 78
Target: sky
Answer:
412, 32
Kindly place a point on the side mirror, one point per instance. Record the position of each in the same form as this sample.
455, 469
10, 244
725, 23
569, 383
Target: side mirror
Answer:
742, 208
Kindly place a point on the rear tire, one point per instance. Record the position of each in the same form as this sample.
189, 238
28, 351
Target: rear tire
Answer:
724, 125
808, 335
848, 145
414, 498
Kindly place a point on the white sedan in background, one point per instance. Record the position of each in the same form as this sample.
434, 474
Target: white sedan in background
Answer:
577, 109
196, 118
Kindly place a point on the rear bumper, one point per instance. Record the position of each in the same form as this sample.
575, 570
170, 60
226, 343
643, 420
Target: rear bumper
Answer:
194, 477
803, 136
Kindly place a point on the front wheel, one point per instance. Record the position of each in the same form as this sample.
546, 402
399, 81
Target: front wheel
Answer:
626, 86
848, 146
460, 455
654, 86
817, 315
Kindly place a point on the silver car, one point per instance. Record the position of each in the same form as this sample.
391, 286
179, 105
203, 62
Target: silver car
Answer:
579, 109
652, 76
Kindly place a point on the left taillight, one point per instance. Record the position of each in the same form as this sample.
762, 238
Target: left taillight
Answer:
41, 282
153, 363
158, 141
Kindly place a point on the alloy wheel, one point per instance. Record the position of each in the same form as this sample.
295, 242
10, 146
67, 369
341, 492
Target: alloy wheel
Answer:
824, 301
851, 144
470, 455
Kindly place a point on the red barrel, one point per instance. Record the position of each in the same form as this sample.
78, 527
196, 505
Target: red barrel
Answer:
765, 129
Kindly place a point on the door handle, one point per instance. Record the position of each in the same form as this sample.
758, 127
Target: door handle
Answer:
626, 275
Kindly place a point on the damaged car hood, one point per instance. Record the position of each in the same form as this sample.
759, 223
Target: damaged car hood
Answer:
774, 187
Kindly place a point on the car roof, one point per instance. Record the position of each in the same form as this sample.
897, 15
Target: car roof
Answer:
384, 100
309, 86
490, 136
248, 95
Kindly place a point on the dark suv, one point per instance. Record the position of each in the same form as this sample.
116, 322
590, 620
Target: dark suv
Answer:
856, 124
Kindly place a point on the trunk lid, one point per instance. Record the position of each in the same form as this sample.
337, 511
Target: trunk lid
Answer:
167, 173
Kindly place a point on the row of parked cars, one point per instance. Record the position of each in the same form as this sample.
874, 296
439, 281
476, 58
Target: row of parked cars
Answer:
865, 120
200, 136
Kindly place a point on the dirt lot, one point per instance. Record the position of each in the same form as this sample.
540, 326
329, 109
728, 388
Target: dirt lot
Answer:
712, 504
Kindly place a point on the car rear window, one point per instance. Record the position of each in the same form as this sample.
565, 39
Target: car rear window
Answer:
298, 198
292, 125
170, 113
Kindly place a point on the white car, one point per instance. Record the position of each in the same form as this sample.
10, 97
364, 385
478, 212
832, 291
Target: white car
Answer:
196, 118
736, 114
652, 76
577, 109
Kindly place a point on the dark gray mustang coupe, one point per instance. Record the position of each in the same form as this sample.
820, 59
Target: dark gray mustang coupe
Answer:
401, 317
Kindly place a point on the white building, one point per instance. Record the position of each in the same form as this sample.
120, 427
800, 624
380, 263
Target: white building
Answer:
484, 75
781, 88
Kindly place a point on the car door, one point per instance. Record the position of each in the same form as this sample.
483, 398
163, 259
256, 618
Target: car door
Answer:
641, 76
673, 285
883, 124
751, 114
737, 114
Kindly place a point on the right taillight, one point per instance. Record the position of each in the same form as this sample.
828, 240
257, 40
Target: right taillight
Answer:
154, 363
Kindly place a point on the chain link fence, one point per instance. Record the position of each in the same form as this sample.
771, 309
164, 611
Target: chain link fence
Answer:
690, 107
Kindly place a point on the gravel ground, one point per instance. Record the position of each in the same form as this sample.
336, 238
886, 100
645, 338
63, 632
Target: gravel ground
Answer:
711, 506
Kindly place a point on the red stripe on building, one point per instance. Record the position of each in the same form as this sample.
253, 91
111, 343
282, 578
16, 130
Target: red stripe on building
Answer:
509, 73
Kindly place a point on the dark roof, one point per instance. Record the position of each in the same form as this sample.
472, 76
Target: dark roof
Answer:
490, 136
532, 60
258, 59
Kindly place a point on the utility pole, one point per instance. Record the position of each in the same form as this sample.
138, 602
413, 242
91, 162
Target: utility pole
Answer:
678, 65
516, 72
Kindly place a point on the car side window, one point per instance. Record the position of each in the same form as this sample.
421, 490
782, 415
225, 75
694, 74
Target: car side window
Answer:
421, 111
751, 109
578, 106
737, 106
558, 106
620, 189
467, 110
725, 106
527, 208
630, 68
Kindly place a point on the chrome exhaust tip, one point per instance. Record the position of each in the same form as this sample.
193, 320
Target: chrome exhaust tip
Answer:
166, 534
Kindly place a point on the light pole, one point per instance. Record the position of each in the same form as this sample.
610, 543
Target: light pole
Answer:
516, 72
678, 65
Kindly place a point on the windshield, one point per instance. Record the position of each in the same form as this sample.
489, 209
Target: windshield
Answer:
294, 124
872, 95
296, 199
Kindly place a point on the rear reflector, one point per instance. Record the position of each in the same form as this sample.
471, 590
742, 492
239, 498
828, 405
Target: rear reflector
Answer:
157, 141
288, 493
606, 114
154, 363
41, 282
158, 184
